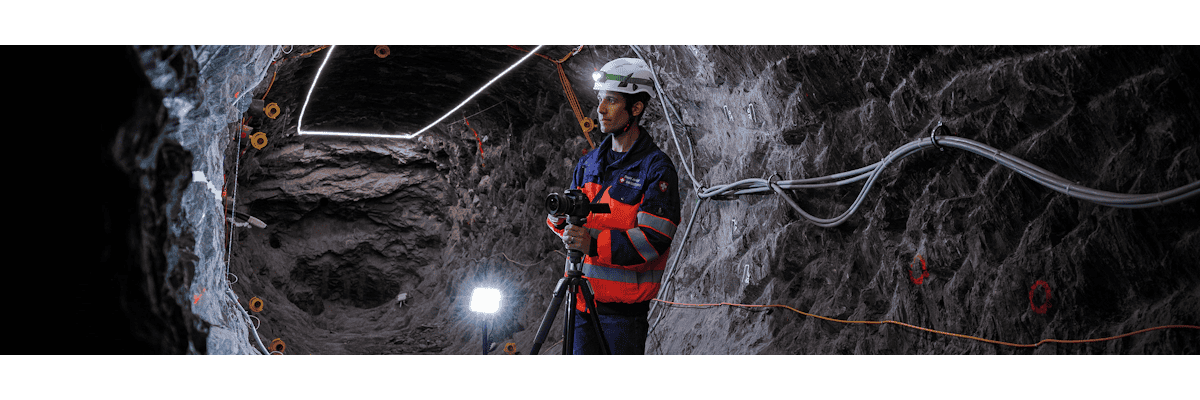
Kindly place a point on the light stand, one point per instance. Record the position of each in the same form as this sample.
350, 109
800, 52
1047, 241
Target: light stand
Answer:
485, 302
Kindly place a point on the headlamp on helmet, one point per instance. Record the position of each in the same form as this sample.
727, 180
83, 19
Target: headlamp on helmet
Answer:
601, 77
625, 75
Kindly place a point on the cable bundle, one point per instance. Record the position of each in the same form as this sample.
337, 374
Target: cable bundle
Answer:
871, 174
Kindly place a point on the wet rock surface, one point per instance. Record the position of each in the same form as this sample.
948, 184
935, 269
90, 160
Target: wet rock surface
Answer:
353, 223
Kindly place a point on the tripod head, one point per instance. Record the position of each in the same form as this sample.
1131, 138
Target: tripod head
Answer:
574, 205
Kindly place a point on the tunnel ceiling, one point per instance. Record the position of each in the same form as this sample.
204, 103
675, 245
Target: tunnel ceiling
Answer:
412, 86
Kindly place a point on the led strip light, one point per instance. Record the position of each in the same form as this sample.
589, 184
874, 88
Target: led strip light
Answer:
300, 122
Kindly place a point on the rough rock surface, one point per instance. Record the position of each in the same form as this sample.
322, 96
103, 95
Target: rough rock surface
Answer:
199, 91
353, 223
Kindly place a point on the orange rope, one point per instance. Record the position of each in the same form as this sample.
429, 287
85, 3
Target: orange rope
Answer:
958, 335
314, 51
481, 164
272, 83
277, 68
585, 123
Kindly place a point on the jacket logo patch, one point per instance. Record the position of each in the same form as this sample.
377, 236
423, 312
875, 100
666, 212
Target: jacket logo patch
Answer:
662, 186
630, 181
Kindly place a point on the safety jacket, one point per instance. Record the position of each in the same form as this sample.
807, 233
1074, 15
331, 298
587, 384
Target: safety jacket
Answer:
630, 245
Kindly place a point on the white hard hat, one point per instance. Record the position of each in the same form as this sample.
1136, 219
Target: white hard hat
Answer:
625, 75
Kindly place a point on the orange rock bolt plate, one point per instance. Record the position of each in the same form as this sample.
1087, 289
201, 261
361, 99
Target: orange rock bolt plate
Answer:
256, 304
587, 124
382, 51
258, 140
272, 110
1046, 302
510, 348
277, 345
917, 280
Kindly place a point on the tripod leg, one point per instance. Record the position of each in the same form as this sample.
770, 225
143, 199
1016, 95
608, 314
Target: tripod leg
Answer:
594, 316
548, 318
569, 326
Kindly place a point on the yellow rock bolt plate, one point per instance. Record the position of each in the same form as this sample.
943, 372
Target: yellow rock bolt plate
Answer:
277, 345
256, 304
258, 140
272, 110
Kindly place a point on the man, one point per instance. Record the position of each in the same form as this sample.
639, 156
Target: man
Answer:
626, 250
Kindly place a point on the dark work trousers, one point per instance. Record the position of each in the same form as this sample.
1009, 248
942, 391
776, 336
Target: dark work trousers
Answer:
626, 334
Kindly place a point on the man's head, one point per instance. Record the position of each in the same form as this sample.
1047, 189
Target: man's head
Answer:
619, 111
624, 87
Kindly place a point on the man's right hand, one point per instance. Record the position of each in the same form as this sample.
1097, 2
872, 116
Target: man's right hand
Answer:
577, 238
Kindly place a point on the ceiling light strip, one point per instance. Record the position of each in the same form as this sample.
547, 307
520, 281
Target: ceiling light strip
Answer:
300, 122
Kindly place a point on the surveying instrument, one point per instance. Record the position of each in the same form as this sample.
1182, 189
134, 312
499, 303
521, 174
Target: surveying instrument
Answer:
574, 205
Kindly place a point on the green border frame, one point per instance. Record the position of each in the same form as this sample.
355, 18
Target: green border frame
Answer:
223, 22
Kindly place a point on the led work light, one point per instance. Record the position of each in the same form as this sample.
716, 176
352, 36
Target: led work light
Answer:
485, 300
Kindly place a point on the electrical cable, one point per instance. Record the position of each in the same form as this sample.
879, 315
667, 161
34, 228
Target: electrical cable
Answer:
663, 97
665, 101
246, 315
473, 115
232, 207
671, 269
668, 104
229, 249
299, 121
533, 264
871, 174
958, 335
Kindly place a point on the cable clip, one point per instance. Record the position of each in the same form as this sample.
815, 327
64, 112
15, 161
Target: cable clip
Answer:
769, 178
933, 136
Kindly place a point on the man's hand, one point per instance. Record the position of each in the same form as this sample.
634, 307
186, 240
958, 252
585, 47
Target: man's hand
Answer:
577, 238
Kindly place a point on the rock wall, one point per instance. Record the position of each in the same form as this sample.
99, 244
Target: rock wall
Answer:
202, 91
354, 223
1117, 119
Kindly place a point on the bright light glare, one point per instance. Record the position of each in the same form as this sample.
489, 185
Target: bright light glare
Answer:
485, 300
328, 55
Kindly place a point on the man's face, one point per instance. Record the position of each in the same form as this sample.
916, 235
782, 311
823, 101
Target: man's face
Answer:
612, 111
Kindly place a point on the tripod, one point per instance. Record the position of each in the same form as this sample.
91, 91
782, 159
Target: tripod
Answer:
567, 287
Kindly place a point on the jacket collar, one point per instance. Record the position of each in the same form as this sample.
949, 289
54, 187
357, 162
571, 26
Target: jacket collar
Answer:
644, 144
